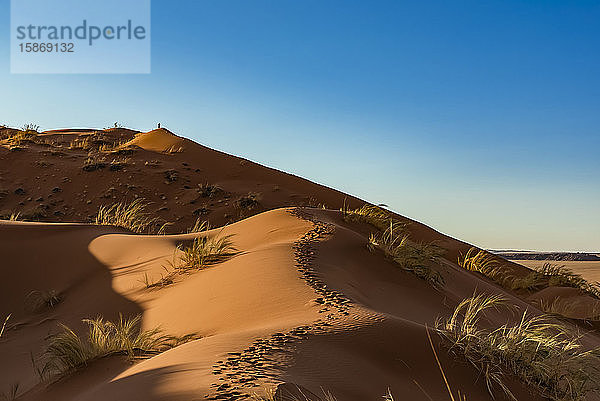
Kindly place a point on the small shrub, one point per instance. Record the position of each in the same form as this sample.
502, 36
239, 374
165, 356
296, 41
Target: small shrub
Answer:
30, 128
132, 216
68, 352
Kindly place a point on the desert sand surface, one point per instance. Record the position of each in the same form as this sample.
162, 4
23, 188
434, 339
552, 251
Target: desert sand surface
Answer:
307, 300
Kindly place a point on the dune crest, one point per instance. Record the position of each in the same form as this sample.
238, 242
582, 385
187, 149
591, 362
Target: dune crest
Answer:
311, 298
158, 140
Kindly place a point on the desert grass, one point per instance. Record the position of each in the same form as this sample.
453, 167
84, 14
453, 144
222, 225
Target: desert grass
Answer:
12, 393
132, 216
37, 301
208, 190
556, 275
558, 307
14, 216
165, 280
412, 256
174, 149
374, 215
205, 251
4, 325
458, 397
82, 143
543, 354
199, 226
478, 260
394, 240
67, 351
20, 138
249, 201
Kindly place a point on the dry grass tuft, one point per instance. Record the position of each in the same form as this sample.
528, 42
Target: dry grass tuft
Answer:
206, 251
132, 216
541, 353
411, 256
68, 352
374, 215
249, 201
208, 190
37, 301
556, 275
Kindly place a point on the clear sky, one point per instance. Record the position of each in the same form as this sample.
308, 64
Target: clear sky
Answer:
479, 118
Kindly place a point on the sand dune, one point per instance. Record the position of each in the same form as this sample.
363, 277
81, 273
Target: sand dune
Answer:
303, 301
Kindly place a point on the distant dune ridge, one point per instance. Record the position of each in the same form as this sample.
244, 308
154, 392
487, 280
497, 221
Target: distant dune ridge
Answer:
559, 256
295, 291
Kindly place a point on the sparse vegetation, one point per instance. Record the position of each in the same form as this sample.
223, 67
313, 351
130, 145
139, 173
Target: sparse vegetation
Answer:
557, 307
206, 250
67, 351
411, 256
4, 325
93, 163
554, 275
198, 227
543, 354
373, 215
174, 149
12, 393
478, 260
13, 216
81, 143
30, 127
165, 280
208, 190
249, 201
39, 300
132, 216
459, 395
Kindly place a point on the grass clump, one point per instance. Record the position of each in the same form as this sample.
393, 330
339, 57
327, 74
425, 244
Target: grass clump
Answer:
371, 214
68, 351
542, 354
412, 256
206, 250
554, 275
132, 216
249, 201
39, 300
480, 261
208, 190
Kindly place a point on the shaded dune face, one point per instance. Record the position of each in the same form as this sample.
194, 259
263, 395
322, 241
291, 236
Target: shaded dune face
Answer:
303, 303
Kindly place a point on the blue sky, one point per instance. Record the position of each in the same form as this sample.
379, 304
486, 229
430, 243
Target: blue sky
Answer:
478, 118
